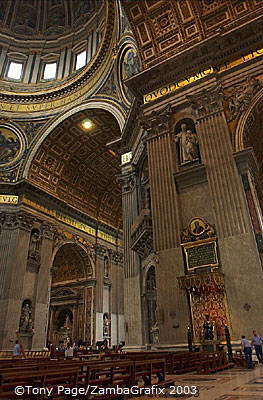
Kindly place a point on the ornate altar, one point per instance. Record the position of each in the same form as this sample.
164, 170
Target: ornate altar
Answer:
204, 282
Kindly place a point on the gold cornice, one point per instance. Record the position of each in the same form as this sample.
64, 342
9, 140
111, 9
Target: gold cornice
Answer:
81, 84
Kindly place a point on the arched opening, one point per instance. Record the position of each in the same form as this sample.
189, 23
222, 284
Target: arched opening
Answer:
71, 298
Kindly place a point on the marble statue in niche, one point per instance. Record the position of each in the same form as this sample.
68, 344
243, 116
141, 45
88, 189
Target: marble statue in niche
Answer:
25, 323
106, 325
34, 246
186, 142
106, 267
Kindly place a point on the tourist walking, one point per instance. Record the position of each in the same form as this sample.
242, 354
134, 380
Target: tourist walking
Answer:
247, 349
257, 344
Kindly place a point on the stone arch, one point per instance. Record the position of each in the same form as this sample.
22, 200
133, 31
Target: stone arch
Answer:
75, 164
84, 263
247, 120
105, 104
71, 293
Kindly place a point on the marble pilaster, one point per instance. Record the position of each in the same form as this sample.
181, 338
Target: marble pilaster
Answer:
132, 267
238, 252
43, 287
14, 243
165, 215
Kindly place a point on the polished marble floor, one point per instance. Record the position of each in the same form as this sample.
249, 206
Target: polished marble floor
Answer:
232, 384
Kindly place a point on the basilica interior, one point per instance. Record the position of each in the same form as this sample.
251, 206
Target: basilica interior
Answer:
131, 173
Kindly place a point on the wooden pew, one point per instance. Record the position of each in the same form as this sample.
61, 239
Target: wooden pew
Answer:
67, 377
213, 362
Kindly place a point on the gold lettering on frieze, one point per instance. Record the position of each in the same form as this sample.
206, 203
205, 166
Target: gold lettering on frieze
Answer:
156, 94
37, 107
8, 199
73, 222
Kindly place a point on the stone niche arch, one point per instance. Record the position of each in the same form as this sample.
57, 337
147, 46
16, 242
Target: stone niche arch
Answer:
71, 295
150, 305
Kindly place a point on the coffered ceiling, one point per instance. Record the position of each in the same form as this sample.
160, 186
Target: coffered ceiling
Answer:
76, 166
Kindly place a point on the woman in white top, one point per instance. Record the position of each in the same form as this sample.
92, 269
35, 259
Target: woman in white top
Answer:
69, 352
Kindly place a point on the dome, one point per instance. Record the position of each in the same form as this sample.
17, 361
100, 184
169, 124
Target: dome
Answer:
46, 19
53, 45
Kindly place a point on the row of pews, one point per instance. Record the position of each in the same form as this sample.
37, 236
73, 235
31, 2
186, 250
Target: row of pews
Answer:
129, 369
182, 362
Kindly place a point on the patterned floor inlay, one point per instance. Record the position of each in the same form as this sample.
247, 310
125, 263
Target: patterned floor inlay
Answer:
232, 384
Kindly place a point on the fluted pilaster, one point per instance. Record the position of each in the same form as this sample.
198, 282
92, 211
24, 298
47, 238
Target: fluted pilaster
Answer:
166, 227
43, 287
230, 207
14, 243
132, 286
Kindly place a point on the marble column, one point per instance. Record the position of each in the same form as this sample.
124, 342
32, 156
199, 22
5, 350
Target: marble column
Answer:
132, 265
238, 252
43, 287
14, 244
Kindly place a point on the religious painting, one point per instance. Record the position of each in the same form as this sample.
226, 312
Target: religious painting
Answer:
197, 227
10, 146
129, 66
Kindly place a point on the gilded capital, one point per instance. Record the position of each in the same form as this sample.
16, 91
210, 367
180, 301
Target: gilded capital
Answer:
16, 220
207, 102
158, 122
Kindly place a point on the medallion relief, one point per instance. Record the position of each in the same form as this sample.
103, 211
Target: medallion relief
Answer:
12, 145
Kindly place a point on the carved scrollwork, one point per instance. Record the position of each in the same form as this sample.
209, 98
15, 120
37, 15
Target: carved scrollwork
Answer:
241, 97
207, 102
16, 220
128, 182
158, 122
48, 230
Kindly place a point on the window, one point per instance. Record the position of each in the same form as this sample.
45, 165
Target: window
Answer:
81, 59
50, 71
14, 70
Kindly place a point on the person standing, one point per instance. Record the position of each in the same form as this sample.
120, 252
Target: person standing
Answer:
69, 351
16, 351
257, 343
247, 349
